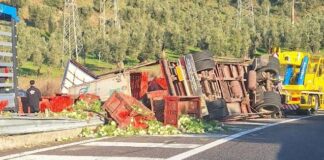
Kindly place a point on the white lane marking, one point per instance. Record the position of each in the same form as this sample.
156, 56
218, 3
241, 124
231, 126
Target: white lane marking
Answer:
226, 139
206, 135
248, 123
57, 157
50, 148
143, 145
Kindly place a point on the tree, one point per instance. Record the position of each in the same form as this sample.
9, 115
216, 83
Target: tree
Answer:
148, 26
312, 35
40, 17
55, 3
55, 55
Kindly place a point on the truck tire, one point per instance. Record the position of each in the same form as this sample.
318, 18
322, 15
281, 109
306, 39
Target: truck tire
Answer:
317, 104
270, 69
271, 103
274, 63
203, 55
204, 65
273, 66
217, 109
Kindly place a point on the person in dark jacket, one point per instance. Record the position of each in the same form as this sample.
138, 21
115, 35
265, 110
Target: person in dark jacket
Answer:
33, 97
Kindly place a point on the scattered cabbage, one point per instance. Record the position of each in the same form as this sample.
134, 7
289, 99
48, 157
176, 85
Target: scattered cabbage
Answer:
186, 124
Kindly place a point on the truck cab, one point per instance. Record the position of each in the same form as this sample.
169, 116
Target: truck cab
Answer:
303, 81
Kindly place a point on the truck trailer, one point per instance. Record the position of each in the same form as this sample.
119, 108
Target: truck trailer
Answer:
8, 57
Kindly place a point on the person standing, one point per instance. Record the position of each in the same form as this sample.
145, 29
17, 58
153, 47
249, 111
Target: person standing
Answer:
33, 97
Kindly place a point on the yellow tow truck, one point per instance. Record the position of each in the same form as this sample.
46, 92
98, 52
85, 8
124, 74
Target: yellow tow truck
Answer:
303, 83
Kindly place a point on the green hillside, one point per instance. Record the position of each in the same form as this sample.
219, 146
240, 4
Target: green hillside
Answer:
149, 26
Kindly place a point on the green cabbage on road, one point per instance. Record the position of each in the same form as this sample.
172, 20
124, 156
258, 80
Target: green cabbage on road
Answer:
187, 124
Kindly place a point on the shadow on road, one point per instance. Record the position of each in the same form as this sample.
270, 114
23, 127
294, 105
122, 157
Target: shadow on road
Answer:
298, 140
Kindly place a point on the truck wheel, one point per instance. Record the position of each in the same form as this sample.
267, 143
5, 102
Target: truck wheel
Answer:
203, 55
274, 63
272, 70
308, 112
317, 105
204, 65
217, 109
271, 103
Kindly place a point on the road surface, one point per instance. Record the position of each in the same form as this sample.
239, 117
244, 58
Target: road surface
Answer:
295, 137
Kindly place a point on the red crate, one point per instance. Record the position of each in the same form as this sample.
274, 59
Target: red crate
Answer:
176, 106
44, 104
119, 107
157, 103
3, 104
59, 103
139, 84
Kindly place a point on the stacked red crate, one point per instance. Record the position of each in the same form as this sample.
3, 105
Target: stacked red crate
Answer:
177, 105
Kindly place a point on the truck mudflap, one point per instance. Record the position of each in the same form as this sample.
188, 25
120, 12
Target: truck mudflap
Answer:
290, 107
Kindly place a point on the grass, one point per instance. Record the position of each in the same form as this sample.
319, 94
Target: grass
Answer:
322, 51
98, 67
29, 69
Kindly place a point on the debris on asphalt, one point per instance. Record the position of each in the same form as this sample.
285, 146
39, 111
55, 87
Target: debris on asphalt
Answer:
81, 110
187, 125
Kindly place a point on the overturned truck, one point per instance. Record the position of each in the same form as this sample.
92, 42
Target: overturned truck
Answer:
195, 84
228, 88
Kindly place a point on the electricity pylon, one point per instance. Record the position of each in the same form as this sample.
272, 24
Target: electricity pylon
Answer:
72, 37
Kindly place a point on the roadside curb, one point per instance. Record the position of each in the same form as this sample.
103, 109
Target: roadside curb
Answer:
36, 139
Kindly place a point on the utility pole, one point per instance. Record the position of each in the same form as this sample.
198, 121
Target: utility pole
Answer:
72, 38
103, 17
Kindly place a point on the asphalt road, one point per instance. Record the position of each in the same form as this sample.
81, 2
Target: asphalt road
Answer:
263, 139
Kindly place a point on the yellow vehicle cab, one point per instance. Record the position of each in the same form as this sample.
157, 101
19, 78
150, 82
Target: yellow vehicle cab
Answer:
303, 81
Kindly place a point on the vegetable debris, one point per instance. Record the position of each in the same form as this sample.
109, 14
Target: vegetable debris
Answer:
81, 110
186, 125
